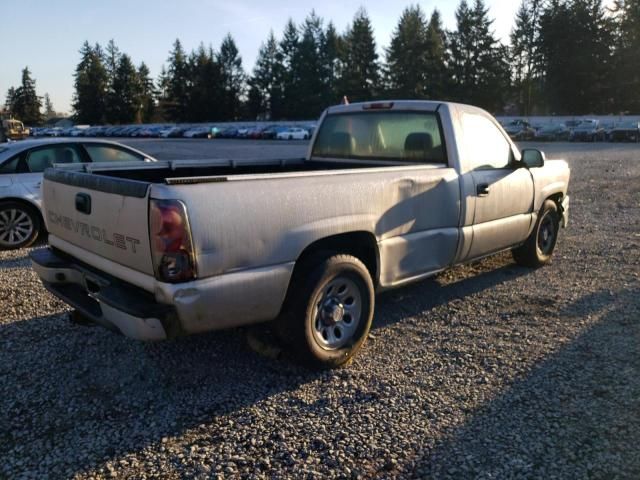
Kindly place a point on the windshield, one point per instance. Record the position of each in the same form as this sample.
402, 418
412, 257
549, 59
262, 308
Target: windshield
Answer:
393, 136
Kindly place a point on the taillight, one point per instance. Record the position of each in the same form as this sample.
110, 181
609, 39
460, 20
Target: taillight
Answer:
171, 245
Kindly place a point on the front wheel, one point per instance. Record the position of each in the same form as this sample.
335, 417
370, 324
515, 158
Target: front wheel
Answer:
19, 225
539, 247
329, 311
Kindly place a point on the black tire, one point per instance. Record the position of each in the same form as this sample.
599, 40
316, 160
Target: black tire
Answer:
19, 225
330, 336
539, 247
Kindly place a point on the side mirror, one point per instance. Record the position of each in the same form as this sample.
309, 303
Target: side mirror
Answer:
532, 158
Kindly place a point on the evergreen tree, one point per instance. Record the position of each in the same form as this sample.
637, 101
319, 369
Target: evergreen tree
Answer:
627, 56
10, 100
26, 103
288, 70
49, 111
233, 78
525, 61
406, 56
436, 73
176, 100
576, 44
113, 103
361, 73
333, 56
312, 82
264, 92
478, 62
90, 86
205, 95
146, 95
125, 104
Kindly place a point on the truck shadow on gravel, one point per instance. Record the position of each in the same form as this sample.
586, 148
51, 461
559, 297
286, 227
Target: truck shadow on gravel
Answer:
85, 395
575, 415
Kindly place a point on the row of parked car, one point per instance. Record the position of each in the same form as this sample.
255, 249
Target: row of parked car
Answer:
575, 131
272, 132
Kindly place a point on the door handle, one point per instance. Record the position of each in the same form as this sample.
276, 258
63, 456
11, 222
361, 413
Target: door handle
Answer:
482, 189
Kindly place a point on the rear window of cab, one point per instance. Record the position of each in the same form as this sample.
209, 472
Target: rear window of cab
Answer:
389, 136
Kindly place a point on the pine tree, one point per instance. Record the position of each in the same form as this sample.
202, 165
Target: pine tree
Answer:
478, 61
525, 61
10, 100
361, 73
125, 104
233, 78
312, 70
177, 84
264, 93
333, 55
49, 111
576, 44
437, 78
627, 56
406, 56
288, 74
111, 62
205, 94
90, 86
146, 95
26, 103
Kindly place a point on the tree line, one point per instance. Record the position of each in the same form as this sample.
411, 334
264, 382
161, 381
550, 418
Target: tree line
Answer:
564, 57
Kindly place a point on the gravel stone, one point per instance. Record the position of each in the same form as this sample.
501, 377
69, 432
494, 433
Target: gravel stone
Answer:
486, 371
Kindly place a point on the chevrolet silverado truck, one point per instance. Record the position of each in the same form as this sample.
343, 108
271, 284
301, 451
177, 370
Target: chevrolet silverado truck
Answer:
389, 193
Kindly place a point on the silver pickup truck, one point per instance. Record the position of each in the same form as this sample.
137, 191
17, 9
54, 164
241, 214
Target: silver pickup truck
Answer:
389, 193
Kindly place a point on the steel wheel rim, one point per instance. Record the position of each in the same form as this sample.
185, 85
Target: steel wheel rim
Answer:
16, 226
546, 235
337, 313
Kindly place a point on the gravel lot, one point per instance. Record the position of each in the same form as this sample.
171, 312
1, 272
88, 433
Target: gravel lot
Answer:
487, 371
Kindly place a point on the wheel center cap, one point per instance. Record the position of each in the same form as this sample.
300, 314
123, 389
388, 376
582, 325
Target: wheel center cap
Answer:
332, 311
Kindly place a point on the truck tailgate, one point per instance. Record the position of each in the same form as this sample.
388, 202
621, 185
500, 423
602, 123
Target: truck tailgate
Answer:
104, 215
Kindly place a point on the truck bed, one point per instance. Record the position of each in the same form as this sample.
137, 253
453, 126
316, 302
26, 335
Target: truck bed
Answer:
163, 172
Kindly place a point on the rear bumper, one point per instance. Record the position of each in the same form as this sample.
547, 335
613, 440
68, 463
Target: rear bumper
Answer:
106, 300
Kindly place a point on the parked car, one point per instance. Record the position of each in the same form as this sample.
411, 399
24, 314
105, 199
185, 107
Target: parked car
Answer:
588, 131
553, 132
293, 133
627, 131
271, 132
197, 132
520, 130
380, 201
21, 167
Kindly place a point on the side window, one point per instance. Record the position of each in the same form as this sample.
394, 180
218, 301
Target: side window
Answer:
41, 159
485, 145
10, 166
107, 153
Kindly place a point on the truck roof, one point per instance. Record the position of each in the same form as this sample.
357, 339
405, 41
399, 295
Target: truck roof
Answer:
423, 105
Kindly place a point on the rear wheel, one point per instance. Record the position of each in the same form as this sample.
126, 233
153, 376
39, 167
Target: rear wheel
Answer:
539, 247
329, 311
19, 225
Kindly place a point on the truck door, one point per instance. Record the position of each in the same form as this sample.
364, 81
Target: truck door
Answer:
503, 191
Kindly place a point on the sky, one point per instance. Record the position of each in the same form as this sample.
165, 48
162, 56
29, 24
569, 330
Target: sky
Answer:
46, 35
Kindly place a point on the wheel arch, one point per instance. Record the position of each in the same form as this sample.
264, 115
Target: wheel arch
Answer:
27, 202
361, 244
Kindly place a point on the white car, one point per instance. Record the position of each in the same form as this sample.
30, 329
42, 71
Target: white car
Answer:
293, 133
21, 167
